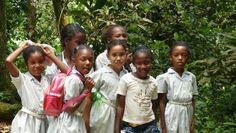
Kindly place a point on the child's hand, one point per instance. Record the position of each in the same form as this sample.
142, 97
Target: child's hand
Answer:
89, 83
26, 43
47, 49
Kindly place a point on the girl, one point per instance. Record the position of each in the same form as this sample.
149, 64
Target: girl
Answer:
110, 33
71, 36
70, 121
101, 109
135, 94
177, 88
31, 86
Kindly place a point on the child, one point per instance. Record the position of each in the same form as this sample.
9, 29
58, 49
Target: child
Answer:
71, 36
110, 33
135, 94
31, 86
102, 113
71, 121
177, 88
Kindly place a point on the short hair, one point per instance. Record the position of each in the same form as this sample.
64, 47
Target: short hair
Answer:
143, 49
116, 42
69, 31
32, 49
178, 43
78, 48
106, 34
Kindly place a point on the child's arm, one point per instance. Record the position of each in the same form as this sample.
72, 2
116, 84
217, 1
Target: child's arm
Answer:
192, 128
163, 101
119, 112
86, 114
14, 71
57, 61
154, 108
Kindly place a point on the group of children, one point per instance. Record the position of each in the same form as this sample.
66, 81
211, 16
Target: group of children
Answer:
122, 89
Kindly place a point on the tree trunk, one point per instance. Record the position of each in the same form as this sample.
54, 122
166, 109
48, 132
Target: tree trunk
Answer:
4, 75
31, 19
60, 13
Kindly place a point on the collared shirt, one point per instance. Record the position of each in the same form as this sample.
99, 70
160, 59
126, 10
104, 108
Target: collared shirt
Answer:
178, 89
31, 91
102, 60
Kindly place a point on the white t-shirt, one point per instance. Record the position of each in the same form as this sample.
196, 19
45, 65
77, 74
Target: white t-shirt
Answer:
102, 60
138, 95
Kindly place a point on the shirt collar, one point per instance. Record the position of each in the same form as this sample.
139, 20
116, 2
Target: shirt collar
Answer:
172, 71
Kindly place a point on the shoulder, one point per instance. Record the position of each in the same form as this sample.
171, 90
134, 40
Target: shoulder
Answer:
127, 76
102, 55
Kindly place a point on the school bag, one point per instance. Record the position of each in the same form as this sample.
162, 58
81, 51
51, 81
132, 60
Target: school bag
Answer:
53, 103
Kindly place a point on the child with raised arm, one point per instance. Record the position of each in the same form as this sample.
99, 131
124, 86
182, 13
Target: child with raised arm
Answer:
31, 86
71, 121
177, 88
135, 94
101, 107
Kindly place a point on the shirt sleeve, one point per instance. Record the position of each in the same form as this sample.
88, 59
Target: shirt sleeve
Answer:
98, 63
122, 87
18, 82
161, 84
195, 88
73, 87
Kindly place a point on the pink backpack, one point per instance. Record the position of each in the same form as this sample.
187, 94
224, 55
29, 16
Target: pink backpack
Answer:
53, 103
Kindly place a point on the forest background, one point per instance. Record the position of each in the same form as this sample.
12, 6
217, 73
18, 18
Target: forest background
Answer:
208, 26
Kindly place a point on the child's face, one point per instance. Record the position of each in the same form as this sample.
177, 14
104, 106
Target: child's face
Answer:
119, 33
77, 39
179, 57
35, 64
117, 56
84, 61
142, 62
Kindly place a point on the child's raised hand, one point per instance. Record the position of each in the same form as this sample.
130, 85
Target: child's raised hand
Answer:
47, 49
26, 43
89, 83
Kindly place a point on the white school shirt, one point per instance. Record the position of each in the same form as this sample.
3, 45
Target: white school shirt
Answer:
102, 116
180, 92
102, 60
70, 122
31, 92
138, 95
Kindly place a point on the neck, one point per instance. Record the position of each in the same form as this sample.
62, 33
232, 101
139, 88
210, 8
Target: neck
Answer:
116, 69
140, 76
179, 71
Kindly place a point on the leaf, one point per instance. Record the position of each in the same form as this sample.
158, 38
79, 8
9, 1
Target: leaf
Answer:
147, 20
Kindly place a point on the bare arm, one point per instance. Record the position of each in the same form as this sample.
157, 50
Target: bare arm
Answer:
119, 112
14, 71
86, 115
163, 101
192, 128
57, 61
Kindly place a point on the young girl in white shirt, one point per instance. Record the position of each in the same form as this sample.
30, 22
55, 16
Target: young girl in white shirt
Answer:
101, 107
31, 86
176, 89
71, 121
135, 94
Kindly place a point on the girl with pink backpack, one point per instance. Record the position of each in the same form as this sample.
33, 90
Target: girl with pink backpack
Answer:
70, 120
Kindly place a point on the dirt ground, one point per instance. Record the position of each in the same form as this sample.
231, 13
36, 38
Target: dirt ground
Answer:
5, 127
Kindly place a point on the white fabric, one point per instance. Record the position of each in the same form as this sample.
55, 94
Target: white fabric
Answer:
102, 60
31, 92
102, 117
180, 92
69, 122
138, 94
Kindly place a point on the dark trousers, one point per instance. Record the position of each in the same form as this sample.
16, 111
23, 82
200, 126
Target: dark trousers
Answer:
149, 127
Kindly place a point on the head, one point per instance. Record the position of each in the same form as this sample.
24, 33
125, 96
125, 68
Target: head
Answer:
34, 58
179, 54
114, 32
83, 58
71, 36
142, 60
116, 53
